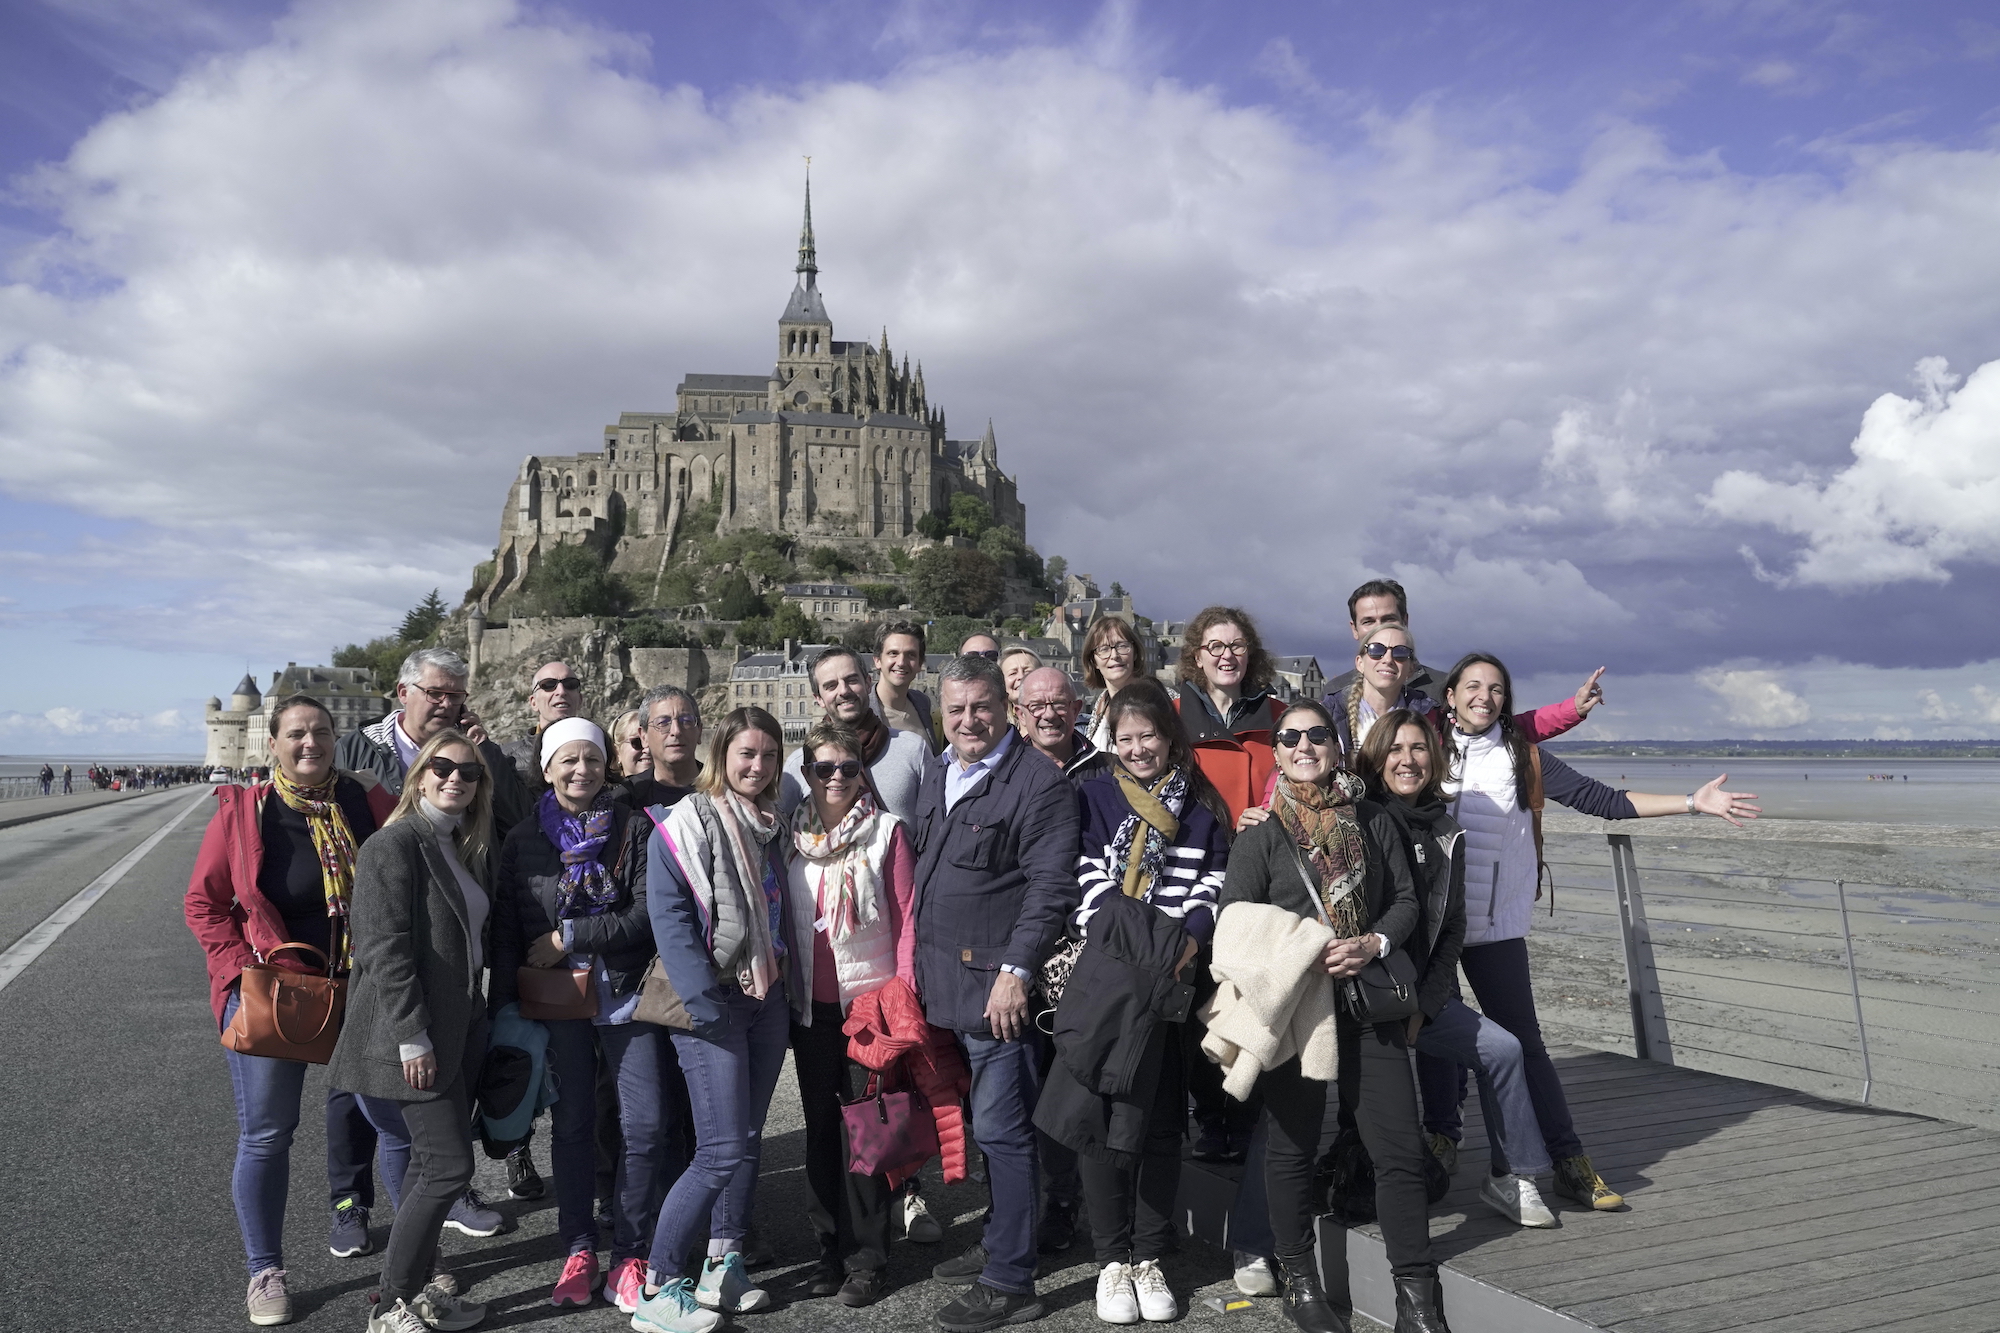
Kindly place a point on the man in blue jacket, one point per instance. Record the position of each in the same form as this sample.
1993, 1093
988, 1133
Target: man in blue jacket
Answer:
996, 830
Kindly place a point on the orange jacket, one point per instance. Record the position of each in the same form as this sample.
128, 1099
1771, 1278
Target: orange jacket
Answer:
886, 1032
1240, 759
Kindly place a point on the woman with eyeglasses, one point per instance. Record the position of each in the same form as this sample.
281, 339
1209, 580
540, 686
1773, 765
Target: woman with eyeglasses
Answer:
729, 935
1495, 781
415, 1028
1328, 855
855, 871
571, 897
276, 867
1155, 845
1113, 658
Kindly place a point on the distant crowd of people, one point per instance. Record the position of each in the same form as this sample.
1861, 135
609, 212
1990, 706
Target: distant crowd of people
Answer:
1068, 936
124, 777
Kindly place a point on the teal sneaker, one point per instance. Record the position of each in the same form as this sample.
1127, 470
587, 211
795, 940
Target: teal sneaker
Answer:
672, 1309
725, 1285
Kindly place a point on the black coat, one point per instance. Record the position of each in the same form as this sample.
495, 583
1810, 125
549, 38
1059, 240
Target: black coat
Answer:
1263, 868
1436, 846
524, 905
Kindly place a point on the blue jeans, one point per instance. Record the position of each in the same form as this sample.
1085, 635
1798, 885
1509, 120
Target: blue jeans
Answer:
1006, 1081
386, 1118
1493, 1054
637, 1056
731, 1075
267, 1114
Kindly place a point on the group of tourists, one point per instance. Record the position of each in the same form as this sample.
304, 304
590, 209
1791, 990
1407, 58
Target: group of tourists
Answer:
99, 777
1062, 937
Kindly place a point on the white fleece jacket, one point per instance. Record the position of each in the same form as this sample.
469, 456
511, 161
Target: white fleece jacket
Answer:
1271, 1003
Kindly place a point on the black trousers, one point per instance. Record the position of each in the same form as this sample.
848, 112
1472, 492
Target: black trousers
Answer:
849, 1213
1385, 1112
1061, 1186
440, 1169
1132, 1208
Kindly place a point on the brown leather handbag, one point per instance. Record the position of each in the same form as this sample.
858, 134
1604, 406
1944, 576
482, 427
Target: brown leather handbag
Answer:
658, 1002
550, 993
287, 1015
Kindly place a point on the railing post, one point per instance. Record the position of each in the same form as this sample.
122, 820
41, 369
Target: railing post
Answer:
1854, 985
1642, 981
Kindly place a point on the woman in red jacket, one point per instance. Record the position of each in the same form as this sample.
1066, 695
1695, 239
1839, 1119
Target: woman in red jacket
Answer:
277, 867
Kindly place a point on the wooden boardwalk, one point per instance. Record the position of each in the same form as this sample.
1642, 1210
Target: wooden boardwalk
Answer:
1752, 1208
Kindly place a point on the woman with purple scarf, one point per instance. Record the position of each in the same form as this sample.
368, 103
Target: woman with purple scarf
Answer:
572, 895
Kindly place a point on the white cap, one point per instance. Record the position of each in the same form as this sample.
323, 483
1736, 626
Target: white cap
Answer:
559, 734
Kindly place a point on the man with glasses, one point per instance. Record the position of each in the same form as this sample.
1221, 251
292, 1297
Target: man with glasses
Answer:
981, 644
671, 721
554, 693
1047, 715
895, 759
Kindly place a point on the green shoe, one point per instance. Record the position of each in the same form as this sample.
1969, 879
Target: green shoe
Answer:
1578, 1181
1446, 1152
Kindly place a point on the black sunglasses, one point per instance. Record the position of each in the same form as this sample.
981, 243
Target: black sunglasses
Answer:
471, 770
824, 769
1291, 736
553, 683
1397, 651
990, 654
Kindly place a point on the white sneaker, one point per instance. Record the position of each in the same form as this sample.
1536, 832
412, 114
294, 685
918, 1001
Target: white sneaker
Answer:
1117, 1303
1156, 1299
918, 1224
1254, 1276
1516, 1199
396, 1318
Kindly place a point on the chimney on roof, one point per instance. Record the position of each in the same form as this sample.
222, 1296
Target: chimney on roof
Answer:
790, 644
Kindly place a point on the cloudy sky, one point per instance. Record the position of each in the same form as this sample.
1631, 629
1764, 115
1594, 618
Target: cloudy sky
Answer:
1659, 336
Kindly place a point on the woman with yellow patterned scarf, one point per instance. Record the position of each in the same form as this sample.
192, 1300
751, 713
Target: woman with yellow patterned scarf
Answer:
275, 868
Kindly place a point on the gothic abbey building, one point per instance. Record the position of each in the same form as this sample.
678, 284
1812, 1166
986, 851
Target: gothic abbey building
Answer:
837, 443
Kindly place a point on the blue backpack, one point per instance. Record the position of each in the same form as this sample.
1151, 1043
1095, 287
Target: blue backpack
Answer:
516, 1084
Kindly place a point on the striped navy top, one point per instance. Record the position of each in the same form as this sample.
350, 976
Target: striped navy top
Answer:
1191, 880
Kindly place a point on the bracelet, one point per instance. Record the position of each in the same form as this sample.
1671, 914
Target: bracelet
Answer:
1690, 802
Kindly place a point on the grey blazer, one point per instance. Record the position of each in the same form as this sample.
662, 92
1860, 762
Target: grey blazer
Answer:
412, 968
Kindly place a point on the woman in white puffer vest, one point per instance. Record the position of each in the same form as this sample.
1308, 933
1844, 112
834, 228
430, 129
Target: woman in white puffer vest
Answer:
1496, 781
857, 869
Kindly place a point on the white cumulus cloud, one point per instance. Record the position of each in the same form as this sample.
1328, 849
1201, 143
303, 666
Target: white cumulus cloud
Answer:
1757, 699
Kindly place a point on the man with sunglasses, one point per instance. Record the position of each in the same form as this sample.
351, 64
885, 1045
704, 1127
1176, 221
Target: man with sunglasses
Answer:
981, 644
895, 759
554, 693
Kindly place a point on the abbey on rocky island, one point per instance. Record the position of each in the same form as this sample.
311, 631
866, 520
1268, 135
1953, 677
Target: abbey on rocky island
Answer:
836, 443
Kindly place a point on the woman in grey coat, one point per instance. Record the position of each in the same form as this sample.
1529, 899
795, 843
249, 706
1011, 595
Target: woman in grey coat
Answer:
415, 1028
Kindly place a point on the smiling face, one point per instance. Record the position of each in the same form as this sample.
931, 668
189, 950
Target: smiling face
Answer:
452, 794
1115, 661
303, 746
1406, 769
1048, 709
1015, 670
835, 793
576, 773
1140, 746
632, 755
1480, 697
901, 658
1369, 612
842, 687
753, 757
973, 713
1308, 760
555, 693
1225, 655
1385, 673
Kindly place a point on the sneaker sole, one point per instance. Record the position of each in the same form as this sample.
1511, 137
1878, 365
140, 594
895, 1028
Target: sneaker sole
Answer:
761, 1301
1517, 1219
526, 1196
641, 1325
1027, 1314
366, 1247
956, 1279
465, 1230
268, 1320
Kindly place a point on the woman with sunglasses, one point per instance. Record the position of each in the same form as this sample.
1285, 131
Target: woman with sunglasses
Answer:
728, 934
415, 1028
276, 867
1113, 658
629, 757
1155, 845
571, 895
1495, 781
1329, 855
855, 870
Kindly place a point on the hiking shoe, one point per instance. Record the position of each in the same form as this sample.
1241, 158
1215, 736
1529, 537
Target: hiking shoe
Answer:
864, 1286
983, 1307
964, 1270
1254, 1276
268, 1302
396, 1318
1058, 1229
1445, 1149
1577, 1180
1516, 1199
578, 1282
918, 1224
471, 1216
671, 1309
1156, 1299
348, 1236
726, 1286
523, 1181
1117, 1302
626, 1284
446, 1313
1212, 1143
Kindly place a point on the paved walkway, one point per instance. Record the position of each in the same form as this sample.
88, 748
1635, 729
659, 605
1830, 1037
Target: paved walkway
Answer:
28, 809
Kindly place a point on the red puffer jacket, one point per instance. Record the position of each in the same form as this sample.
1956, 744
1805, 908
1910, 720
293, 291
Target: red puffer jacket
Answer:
886, 1032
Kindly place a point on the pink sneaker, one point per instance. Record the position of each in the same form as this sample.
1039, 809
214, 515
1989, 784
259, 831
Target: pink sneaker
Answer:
627, 1281
578, 1281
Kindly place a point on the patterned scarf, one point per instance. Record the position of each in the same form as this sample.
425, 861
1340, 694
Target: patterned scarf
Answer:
744, 869
848, 885
1323, 827
1158, 808
586, 888
334, 841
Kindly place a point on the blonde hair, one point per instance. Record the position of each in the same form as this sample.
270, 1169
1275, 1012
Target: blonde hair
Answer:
474, 835
628, 718
1353, 700
714, 778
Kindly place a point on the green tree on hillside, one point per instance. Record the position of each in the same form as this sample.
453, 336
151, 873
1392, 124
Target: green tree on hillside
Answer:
970, 516
422, 620
572, 581
948, 580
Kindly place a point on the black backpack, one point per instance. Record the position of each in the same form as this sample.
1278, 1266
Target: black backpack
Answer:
1346, 1180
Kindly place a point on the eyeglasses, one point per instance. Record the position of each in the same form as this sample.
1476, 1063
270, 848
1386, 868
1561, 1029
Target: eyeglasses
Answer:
824, 769
1041, 706
1112, 650
437, 696
1217, 649
553, 683
471, 770
1400, 652
683, 721
990, 654
1291, 736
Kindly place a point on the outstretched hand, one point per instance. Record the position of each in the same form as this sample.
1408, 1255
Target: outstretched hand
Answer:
1589, 694
1733, 806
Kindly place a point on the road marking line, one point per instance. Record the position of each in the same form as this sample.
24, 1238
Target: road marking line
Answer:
14, 961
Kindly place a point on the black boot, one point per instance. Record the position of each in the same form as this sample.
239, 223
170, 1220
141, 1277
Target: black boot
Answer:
1304, 1298
1420, 1305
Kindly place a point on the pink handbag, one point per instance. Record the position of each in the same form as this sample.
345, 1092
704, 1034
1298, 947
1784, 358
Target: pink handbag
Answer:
888, 1131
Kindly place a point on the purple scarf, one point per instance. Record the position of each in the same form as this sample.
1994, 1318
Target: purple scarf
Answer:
586, 888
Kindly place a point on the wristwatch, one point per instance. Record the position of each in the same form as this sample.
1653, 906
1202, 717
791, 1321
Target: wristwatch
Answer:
1690, 802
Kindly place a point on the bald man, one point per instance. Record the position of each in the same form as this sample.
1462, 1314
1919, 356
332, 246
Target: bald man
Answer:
554, 693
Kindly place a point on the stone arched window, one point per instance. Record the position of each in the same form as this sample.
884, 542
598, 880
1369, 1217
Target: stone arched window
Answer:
592, 475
